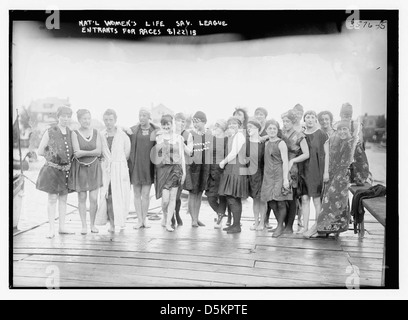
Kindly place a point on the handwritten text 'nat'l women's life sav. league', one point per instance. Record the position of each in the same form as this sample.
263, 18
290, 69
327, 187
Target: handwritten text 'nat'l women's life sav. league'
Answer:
149, 28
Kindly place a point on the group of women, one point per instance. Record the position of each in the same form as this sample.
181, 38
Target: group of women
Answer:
281, 169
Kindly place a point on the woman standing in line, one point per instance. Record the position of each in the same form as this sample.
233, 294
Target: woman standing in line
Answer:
198, 170
255, 154
326, 122
180, 122
242, 115
298, 151
261, 114
170, 168
359, 169
234, 180
313, 171
299, 126
298, 109
141, 168
56, 148
217, 151
275, 185
114, 199
334, 216
86, 172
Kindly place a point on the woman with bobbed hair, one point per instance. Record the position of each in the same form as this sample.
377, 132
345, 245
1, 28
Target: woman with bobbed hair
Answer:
242, 114
313, 172
234, 183
298, 151
170, 168
275, 185
115, 194
86, 172
255, 149
56, 148
334, 216
326, 122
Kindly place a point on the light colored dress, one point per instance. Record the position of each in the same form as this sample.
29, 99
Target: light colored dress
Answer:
115, 172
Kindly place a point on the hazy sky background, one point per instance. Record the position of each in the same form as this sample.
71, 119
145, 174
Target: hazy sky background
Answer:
320, 72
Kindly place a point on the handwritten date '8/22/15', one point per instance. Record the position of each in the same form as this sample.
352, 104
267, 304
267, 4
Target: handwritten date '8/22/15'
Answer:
366, 24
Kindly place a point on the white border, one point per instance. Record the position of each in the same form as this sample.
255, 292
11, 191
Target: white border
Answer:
194, 294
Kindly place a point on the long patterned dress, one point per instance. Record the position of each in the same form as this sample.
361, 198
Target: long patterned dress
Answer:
334, 215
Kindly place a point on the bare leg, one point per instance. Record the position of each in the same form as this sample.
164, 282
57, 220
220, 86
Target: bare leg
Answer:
170, 208
93, 207
111, 217
313, 230
165, 205
280, 216
145, 203
197, 207
256, 211
318, 205
306, 211
51, 209
177, 209
192, 207
82, 210
62, 210
267, 216
262, 213
299, 213
291, 215
137, 192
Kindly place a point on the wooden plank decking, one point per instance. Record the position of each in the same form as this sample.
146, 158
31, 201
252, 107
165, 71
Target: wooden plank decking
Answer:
195, 257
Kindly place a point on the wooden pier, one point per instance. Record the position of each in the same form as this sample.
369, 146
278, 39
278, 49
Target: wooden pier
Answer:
195, 257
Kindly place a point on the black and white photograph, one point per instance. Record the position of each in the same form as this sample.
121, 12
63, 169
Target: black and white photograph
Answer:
203, 149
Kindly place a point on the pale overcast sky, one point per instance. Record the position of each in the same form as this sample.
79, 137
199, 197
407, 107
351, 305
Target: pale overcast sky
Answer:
320, 72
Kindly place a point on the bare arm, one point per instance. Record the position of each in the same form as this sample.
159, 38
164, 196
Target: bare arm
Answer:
75, 145
326, 161
183, 160
305, 152
188, 149
44, 142
284, 155
238, 142
126, 146
83, 153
